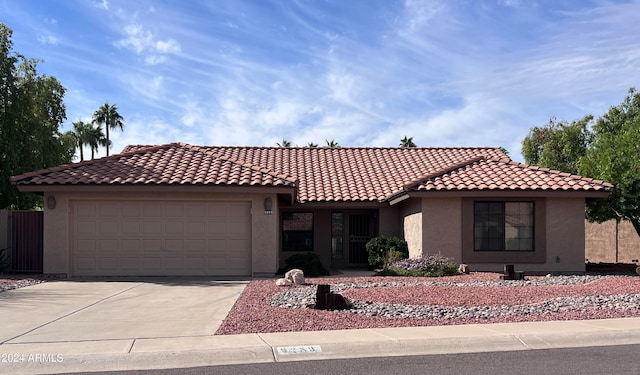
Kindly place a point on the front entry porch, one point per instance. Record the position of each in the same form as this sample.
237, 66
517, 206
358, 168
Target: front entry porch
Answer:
350, 232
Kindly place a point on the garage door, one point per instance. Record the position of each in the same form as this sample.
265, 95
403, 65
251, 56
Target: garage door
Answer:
157, 238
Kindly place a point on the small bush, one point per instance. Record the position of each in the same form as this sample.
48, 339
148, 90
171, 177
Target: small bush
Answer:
429, 266
392, 257
309, 263
381, 249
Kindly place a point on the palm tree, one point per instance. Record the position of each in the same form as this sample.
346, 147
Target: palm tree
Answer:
311, 144
332, 144
80, 132
108, 116
407, 142
284, 143
96, 138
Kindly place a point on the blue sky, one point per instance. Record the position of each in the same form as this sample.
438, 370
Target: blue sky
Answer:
364, 73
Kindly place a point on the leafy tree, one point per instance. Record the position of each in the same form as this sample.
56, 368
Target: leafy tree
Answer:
284, 143
558, 145
108, 116
407, 142
31, 113
332, 144
608, 151
614, 157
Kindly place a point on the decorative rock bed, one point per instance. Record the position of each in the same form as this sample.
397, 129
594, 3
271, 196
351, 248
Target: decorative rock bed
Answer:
304, 297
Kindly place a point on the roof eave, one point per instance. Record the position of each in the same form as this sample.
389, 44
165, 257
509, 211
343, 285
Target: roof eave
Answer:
42, 188
512, 193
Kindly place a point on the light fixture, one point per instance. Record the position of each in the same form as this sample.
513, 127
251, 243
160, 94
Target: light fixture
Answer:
51, 202
267, 206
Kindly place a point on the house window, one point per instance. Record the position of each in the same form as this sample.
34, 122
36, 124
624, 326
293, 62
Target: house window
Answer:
297, 231
503, 226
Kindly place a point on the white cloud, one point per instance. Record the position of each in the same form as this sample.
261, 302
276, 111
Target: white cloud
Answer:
168, 46
193, 114
510, 3
49, 39
422, 13
104, 4
143, 42
154, 59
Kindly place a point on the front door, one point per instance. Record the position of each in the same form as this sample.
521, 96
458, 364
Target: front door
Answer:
360, 230
350, 232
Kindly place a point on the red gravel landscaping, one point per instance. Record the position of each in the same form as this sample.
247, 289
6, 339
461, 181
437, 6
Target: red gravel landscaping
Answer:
21, 280
252, 312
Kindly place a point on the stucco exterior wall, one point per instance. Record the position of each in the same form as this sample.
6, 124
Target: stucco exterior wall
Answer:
264, 228
322, 236
602, 241
264, 235
389, 221
442, 227
411, 211
56, 257
564, 237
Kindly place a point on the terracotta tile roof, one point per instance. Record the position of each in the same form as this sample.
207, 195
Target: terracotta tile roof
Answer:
171, 164
490, 174
353, 173
319, 174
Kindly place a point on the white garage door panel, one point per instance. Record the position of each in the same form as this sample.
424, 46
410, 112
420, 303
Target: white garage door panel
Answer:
127, 238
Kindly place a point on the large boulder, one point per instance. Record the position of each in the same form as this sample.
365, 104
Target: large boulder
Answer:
296, 276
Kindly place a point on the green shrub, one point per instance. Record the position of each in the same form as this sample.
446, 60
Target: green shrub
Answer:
309, 263
429, 266
382, 248
393, 256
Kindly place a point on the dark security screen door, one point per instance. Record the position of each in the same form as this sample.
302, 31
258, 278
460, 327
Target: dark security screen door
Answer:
360, 232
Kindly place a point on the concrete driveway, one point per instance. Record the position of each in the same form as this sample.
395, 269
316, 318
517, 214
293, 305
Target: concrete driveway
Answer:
81, 310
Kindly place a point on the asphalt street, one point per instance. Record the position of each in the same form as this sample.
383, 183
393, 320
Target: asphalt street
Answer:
610, 360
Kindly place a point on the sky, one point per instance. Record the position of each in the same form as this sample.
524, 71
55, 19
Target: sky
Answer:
360, 72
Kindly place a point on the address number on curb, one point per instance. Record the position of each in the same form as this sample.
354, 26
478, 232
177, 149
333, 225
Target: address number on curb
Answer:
299, 349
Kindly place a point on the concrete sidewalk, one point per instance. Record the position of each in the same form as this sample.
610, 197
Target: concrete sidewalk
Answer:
193, 351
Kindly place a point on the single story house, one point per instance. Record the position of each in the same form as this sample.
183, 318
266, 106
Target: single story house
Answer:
178, 209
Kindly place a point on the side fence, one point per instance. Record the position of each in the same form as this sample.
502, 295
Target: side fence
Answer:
21, 236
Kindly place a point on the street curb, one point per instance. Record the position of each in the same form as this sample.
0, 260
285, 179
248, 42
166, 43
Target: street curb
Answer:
322, 345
